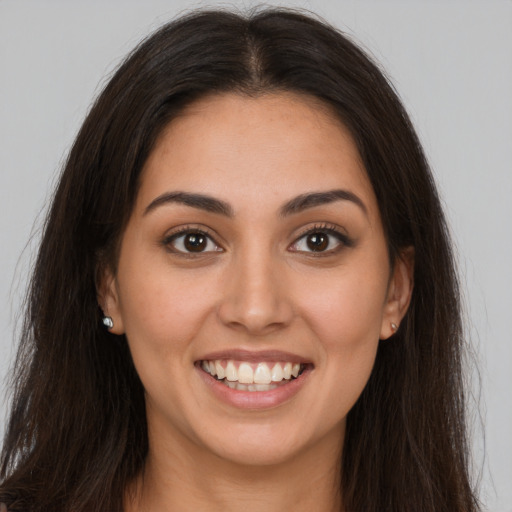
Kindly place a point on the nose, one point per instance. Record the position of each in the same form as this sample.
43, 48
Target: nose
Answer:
256, 298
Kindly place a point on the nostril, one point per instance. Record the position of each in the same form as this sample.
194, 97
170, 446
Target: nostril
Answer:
257, 319
254, 297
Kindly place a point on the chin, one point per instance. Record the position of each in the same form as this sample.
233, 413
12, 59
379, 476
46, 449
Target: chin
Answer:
267, 445
256, 454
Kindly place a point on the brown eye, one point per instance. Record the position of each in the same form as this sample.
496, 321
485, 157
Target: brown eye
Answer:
195, 242
317, 242
190, 242
322, 240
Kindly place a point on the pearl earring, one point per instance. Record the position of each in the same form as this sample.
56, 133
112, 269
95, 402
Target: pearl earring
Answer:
394, 327
108, 322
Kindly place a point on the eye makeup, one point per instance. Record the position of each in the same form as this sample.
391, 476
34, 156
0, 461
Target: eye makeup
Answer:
323, 239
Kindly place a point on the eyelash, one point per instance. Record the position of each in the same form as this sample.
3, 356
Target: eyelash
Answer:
327, 229
330, 230
168, 241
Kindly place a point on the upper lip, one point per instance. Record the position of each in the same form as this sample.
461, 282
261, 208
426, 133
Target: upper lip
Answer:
255, 356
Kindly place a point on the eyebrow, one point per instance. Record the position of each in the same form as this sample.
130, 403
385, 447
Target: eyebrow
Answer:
305, 201
294, 206
200, 201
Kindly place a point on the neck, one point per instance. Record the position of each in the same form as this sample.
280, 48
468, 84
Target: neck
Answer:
185, 478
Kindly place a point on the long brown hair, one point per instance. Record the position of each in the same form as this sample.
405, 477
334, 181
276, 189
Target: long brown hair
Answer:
77, 431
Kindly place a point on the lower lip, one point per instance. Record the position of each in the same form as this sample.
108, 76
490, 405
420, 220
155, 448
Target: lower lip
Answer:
255, 399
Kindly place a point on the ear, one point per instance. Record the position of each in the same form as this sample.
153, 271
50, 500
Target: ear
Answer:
399, 293
108, 298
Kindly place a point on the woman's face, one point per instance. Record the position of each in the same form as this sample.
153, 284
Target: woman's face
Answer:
253, 281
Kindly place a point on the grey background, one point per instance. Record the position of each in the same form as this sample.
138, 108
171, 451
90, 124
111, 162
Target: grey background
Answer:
451, 62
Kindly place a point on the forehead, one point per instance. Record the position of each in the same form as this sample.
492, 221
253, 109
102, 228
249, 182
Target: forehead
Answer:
246, 149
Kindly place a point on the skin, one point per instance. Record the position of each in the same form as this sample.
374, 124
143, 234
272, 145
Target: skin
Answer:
258, 286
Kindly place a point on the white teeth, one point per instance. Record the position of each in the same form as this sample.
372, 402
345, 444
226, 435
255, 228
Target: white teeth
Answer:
246, 374
262, 374
249, 387
221, 373
262, 387
231, 373
277, 373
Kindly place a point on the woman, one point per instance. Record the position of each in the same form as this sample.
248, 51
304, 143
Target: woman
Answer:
245, 294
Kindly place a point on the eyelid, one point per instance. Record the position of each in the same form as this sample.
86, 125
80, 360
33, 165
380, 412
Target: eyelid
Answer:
330, 229
189, 228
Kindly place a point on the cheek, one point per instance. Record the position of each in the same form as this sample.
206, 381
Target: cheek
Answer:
346, 321
162, 311
348, 328
347, 309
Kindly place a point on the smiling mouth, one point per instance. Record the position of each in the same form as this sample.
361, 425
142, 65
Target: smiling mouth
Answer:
244, 376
